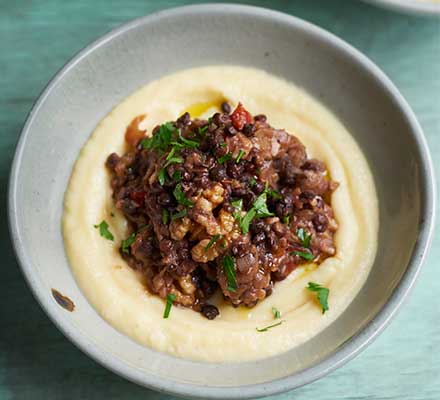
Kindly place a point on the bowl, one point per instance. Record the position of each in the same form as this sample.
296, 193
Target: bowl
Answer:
422, 7
344, 80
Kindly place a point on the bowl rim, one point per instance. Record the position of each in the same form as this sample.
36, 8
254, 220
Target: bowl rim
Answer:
342, 354
408, 6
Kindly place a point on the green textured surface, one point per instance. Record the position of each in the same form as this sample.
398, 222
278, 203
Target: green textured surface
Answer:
38, 37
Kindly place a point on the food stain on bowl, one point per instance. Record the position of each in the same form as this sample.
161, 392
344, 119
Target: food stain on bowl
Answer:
63, 301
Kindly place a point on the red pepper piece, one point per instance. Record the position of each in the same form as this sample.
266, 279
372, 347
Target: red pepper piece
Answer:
240, 117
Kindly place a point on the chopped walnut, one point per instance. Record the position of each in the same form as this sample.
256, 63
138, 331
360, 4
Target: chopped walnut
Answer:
201, 254
179, 228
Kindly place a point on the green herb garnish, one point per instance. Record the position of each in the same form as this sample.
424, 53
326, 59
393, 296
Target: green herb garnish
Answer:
246, 220
252, 182
170, 299
229, 269
162, 176
322, 294
202, 130
224, 158
260, 206
259, 210
180, 196
304, 237
223, 145
276, 313
161, 140
212, 241
241, 153
165, 216
177, 176
178, 215
126, 243
286, 219
307, 255
268, 327
104, 231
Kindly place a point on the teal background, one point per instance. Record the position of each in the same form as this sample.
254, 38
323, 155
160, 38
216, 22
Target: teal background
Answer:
38, 37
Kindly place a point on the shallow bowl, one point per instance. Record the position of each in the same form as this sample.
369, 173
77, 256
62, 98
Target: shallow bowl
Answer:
344, 80
421, 7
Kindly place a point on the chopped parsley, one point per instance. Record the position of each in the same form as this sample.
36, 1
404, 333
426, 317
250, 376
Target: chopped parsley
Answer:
322, 294
258, 210
229, 269
274, 194
241, 153
165, 216
286, 219
177, 176
260, 206
246, 220
186, 143
304, 237
224, 158
126, 243
223, 144
170, 299
161, 140
202, 130
178, 215
212, 241
307, 255
269, 327
252, 182
104, 231
162, 176
276, 313
180, 196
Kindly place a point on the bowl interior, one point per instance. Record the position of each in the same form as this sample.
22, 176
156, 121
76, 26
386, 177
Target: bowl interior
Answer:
105, 73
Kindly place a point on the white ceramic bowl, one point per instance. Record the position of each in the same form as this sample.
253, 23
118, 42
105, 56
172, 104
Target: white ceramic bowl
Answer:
345, 81
425, 7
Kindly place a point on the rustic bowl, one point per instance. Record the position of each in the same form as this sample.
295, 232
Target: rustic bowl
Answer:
344, 80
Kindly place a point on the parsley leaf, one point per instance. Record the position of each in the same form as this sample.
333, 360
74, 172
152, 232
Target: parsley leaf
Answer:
276, 313
286, 219
322, 294
252, 182
202, 130
126, 243
307, 255
170, 299
104, 231
260, 206
165, 216
304, 237
177, 176
180, 196
212, 241
268, 327
274, 194
160, 141
189, 143
241, 153
224, 158
180, 214
162, 176
229, 269
246, 220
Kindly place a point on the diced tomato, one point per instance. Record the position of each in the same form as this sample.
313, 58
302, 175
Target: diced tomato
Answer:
138, 196
240, 117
